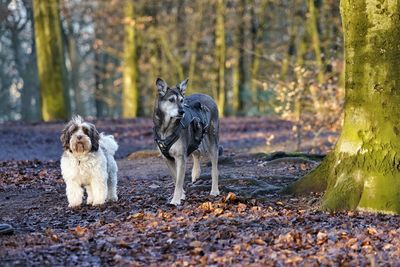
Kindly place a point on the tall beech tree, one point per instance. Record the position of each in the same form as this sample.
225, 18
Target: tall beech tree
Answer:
245, 66
220, 55
50, 59
363, 170
130, 95
312, 28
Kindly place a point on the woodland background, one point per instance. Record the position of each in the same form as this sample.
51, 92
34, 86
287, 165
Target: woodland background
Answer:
259, 57
276, 71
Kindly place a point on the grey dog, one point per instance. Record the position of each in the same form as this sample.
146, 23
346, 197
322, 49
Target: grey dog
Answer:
185, 126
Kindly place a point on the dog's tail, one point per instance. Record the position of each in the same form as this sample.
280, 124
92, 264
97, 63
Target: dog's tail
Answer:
108, 143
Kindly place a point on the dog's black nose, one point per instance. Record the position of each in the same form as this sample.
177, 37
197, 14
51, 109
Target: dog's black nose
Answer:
181, 112
79, 137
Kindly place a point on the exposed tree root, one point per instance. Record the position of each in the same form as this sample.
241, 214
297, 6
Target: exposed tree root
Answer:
295, 160
315, 181
281, 154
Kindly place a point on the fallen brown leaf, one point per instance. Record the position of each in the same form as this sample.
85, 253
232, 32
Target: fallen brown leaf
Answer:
231, 197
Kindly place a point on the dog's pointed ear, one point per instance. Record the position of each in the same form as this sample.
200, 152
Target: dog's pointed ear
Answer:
94, 138
161, 86
182, 86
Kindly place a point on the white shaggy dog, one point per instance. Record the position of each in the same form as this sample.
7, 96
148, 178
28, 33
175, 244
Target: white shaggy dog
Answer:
88, 161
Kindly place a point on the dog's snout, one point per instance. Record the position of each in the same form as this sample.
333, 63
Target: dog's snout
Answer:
181, 112
79, 137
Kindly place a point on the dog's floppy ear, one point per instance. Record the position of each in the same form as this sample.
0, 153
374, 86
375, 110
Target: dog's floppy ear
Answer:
66, 136
94, 138
161, 86
182, 86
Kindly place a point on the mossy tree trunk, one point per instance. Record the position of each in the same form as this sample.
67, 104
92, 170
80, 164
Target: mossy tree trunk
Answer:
50, 59
363, 171
130, 94
220, 55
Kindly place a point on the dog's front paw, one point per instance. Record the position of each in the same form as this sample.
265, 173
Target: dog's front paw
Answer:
175, 202
214, 193
183, 196
195, 176
97, 203
74, 205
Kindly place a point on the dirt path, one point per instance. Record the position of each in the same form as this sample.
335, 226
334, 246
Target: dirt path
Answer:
38, 191
47, 231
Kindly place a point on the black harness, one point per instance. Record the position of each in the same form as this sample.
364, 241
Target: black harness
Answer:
195, 115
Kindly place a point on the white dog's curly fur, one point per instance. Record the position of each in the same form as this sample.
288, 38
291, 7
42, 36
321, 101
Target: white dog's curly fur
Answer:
88, 162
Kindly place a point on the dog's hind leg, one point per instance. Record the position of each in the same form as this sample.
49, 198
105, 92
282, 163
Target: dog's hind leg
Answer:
179, 193
213, 153
112, 187
99, 187
196, 166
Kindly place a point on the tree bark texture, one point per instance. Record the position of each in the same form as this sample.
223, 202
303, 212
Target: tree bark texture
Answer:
50, 59
363, 171
130, 94
220, 55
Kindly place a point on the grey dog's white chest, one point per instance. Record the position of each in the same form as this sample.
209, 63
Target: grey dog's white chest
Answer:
177, 149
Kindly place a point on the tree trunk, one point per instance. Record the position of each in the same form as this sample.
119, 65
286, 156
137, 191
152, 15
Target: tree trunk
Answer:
235, 84
130, 94
244, 59
98, 85
74, 75
50, 59
312, 28
30, 97
293, 35
257, 29
363, 171
75, 59
168, 53
220, 55
193, 46
27, 70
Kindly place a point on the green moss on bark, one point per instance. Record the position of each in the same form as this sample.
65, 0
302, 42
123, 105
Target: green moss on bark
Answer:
363, 171
220, 55
130, 94
315, 181
50, 59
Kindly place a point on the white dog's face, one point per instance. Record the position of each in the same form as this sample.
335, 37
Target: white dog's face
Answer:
80, 137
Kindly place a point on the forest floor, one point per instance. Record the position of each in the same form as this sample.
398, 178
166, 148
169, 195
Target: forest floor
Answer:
250, 223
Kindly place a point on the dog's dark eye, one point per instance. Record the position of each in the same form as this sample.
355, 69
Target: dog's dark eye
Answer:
172, 100
85, 130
